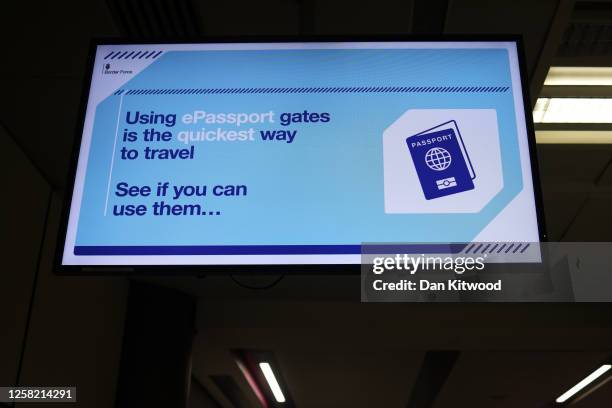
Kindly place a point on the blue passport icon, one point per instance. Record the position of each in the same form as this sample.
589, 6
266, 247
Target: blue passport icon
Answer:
441, 161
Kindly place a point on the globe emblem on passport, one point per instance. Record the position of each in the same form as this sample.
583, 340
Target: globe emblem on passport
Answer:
438, 158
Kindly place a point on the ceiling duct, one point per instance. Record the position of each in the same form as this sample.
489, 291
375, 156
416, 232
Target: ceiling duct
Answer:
589, 33
150, 19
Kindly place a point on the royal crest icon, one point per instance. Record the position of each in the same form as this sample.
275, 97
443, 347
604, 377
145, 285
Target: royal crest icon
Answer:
441, 161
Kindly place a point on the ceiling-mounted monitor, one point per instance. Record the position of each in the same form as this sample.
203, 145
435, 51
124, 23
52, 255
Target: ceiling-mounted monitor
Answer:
295, 152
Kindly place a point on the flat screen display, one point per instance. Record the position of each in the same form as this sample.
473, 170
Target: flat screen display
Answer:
297, 153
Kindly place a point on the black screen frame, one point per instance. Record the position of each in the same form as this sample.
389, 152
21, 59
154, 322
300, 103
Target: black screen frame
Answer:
270, 269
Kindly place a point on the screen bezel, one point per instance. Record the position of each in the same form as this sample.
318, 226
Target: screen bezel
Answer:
179, 269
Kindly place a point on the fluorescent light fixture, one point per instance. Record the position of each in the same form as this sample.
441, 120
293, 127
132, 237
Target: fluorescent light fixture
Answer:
266, 369
252, 382
579, 76
573, 110
574, 136
578, 387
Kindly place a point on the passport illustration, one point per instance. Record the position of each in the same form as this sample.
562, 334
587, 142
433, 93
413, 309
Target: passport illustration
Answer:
462, 178
441, 161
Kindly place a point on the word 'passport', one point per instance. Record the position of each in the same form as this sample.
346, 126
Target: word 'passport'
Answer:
441, 161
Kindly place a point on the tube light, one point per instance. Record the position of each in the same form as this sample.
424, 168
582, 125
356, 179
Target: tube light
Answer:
578, 387
579, 76
573, 110
266, 369
574, 136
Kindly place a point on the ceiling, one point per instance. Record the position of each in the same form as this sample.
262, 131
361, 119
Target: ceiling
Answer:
508, 380
332, 350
